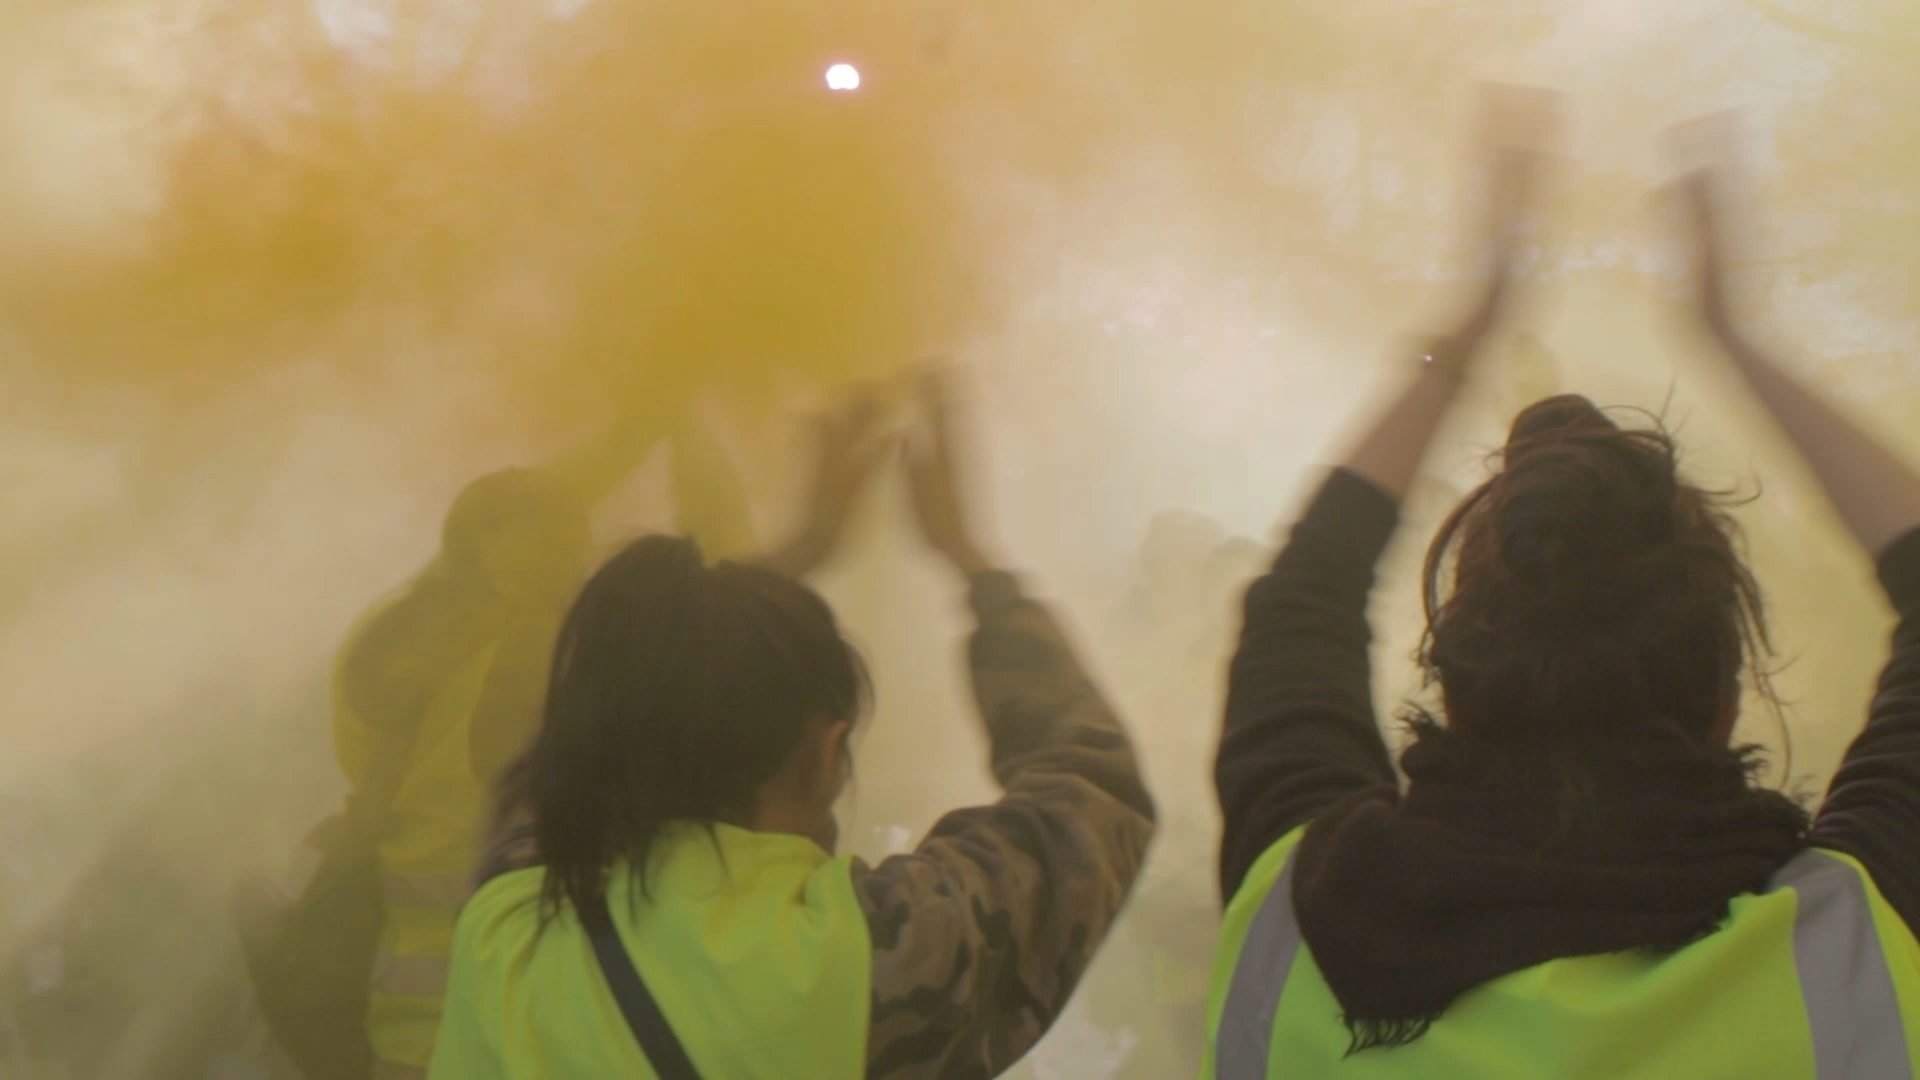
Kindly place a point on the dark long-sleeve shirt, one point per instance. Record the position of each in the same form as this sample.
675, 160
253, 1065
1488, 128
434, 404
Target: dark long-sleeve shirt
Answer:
1301, 731
982, 932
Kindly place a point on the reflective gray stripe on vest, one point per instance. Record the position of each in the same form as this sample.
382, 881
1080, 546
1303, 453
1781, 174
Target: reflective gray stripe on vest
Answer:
418, 976
1853, 1011
429, 893
1259, 974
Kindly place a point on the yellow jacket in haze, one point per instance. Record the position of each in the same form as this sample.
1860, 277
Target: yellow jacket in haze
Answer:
426, 852
453, 663
754, 945
1816, 978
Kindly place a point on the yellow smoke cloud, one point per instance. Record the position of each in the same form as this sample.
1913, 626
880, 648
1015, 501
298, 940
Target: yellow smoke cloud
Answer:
628, 201
279, 277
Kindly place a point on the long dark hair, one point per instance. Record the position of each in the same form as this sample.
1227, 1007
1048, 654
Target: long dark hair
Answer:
678, 690
1595, 596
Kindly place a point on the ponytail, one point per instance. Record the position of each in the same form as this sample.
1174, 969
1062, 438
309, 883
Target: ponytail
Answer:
677, 691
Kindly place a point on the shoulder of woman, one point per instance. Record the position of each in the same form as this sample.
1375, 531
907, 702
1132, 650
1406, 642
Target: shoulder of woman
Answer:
504, 908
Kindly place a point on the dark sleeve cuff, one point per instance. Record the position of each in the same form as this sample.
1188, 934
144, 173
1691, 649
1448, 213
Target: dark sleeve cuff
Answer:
1352, 513
1900, 574
992, 591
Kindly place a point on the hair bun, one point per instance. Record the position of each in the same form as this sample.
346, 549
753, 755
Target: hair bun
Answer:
1583, 510
1553, 420
1593, 590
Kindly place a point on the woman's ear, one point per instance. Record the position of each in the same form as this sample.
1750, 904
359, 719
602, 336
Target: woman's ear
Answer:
833, 760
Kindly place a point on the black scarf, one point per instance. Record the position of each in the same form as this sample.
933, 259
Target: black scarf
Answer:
1493, 864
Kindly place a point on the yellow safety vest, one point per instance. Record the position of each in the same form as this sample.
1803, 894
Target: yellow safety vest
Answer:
1816, 978
754, 945
427, 852
438, 819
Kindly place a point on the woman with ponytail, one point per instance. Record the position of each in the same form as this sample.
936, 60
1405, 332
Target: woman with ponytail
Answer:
436, 689
662, 897
1580, 877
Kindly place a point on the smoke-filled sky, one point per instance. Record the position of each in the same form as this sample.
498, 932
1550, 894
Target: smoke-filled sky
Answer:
277, 279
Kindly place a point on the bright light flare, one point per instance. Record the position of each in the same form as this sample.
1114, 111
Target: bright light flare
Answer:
843, 77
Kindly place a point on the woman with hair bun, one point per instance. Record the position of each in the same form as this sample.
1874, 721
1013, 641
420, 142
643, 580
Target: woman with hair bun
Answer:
1581, 877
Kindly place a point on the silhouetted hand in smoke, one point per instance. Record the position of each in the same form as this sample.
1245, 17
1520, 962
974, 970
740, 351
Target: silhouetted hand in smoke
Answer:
708, 495
849, 446
1871, 486
1704, 147
933, 474
1517, 126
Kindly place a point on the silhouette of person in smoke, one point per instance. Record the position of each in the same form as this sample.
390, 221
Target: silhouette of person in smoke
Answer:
676, 814
436, 691
1176, 545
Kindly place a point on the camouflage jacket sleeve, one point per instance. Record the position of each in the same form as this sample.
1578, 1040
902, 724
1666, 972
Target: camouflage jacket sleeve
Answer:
981, 934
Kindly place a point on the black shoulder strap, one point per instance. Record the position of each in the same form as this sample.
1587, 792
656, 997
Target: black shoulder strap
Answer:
657, 1040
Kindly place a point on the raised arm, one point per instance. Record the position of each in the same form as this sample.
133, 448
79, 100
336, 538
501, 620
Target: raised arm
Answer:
981, 934
1872, 810
593, 469
1300, 731
847, 454
848, 448
708, 495
1875, 493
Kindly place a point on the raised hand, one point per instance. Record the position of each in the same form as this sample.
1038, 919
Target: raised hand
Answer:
1875, 492
934, 483
849, 445
708, 495
1516, 125
1517, 128
1708, 266
1704, 149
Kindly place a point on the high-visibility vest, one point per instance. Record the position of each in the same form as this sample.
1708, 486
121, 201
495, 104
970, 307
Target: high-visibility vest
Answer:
753, 944
1817, 978
427, 850
438, 819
